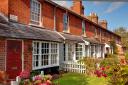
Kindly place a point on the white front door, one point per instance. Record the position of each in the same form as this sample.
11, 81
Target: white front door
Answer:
70, 50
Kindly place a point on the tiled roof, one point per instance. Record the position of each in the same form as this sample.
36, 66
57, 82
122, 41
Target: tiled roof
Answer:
20, 31
92, 40
74, 38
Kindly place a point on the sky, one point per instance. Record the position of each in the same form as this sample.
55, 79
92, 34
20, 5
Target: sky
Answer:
115, 12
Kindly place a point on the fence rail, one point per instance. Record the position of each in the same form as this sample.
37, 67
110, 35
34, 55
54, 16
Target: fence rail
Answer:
72, 66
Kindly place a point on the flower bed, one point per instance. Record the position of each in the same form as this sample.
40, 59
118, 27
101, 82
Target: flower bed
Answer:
39, 79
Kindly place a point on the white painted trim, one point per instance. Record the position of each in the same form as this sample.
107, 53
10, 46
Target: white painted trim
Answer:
49, 57
61, 36
74, 52
54, 18
58, 51
22, 55
86, 42
68, 25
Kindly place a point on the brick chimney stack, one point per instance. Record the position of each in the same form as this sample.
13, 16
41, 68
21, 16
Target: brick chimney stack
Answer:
78, 7
103, 23
93, 17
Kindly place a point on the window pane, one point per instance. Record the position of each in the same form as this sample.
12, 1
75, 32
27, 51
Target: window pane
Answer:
79, 50
54, 53
35, 12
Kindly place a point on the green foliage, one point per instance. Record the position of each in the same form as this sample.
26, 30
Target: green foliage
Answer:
118, 75
25, 82
79, 79
110, 60
34, 73
114, 47
126, 55
90, 64
124, 35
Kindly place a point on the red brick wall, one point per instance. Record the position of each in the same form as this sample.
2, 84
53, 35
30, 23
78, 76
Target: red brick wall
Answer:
75, 25
4, 6
59, 19
90, 31
48, 16
28, 54
2, 54
20, 8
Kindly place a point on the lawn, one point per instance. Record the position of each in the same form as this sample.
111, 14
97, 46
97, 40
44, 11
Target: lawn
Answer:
79, 79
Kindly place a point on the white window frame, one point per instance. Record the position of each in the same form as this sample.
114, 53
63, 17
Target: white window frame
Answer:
32, 22
83, 26
50, 61
67, 24
79, 53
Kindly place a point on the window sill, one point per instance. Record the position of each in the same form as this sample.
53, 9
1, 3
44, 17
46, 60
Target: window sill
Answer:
35, 25
66, 31
42, 67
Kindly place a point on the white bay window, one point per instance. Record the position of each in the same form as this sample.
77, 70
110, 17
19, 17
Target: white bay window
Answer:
45, 54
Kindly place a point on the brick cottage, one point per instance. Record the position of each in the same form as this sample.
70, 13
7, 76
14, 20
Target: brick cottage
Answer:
41, 35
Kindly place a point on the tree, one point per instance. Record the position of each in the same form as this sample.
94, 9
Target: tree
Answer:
123, 32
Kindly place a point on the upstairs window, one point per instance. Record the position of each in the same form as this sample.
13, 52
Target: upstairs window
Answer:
65, 22
83, 27
35, 12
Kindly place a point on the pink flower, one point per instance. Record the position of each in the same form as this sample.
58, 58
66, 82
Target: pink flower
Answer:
44, 84
24, 74
39, 77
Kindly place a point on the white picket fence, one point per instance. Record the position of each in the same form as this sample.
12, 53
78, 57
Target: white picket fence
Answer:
16, 82
72, 66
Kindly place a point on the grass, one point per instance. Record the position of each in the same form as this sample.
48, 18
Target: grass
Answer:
79, 79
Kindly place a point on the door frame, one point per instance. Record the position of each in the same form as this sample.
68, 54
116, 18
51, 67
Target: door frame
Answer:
22, 54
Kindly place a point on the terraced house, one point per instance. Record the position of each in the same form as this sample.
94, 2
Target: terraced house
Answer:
41, 35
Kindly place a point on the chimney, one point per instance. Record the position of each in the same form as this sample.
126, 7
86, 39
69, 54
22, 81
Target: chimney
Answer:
78, 7
103, 23
93, 17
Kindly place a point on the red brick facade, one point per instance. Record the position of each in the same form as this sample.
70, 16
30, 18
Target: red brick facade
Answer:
4, 6
2, 54
75, 25
28, 54
48, 16
59, 19
21, 8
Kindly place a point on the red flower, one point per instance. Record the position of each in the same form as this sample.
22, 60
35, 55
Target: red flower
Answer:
102, 68
24, 74
98, 73
104, 75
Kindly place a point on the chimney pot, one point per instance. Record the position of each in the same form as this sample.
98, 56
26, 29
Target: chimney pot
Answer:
93, 17
103, 23
78, 7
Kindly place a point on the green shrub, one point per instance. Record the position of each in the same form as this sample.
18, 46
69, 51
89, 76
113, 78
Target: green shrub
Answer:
118, 75
110, 60
90, 64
